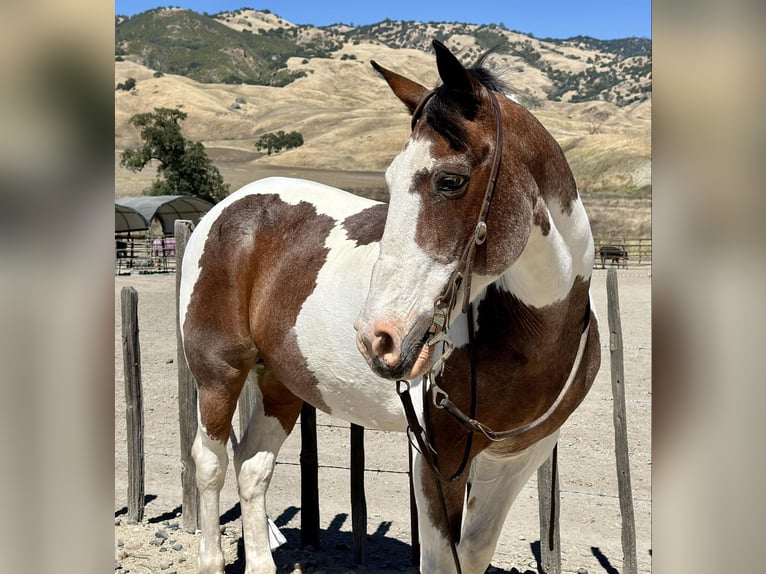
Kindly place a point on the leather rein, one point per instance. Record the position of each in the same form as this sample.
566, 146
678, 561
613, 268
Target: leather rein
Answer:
443, 307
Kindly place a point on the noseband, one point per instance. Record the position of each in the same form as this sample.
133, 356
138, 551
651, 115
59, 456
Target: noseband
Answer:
437, 333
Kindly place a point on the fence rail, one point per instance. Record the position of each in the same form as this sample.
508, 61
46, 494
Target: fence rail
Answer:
637, 249
144, 255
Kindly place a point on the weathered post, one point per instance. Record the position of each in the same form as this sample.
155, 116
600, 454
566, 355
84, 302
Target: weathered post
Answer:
414, 532
309, 478
187, 397
358, 500
134, 404
548, 502
620, 426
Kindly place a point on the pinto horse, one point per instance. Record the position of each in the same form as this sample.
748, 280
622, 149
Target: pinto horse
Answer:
459, 312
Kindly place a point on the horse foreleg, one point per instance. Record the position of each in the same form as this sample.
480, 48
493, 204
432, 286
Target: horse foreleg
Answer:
496, 480
272, 420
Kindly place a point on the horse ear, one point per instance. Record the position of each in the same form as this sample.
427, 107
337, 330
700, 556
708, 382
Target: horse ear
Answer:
456, 78
408, 91
451, 71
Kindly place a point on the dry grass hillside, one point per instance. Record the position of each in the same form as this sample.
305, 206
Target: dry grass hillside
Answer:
351, 123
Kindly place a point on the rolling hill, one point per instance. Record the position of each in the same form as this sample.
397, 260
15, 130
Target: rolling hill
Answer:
241, 74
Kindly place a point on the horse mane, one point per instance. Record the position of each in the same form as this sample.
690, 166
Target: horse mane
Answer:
482, 74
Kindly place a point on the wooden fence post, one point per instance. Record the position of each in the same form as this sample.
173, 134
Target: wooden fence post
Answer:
358, 501
620, 426
309, 478
187, 398
134, 404
414, 528
548, 502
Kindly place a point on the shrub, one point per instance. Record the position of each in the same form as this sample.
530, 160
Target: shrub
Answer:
128, 85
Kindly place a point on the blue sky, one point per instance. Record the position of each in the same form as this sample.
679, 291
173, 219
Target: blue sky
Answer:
604, 19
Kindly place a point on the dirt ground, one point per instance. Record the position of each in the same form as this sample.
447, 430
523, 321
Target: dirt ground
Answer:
590, 514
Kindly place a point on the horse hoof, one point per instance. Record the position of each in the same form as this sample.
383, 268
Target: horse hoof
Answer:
213, 565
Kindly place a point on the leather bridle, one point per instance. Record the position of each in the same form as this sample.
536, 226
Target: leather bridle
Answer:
437, 333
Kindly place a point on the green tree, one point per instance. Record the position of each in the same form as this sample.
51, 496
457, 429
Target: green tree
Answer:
276, 142
183, 167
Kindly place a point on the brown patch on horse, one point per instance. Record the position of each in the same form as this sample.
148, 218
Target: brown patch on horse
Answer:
525, 356
366, 226
523, 361
541, 156
278, 401
251, 254
540, 216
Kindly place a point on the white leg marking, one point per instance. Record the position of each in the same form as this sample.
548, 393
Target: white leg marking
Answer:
254, 461
496, 481
211, 460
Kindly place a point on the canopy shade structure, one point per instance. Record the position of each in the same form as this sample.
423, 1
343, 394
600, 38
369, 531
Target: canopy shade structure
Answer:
128, 219
167, 208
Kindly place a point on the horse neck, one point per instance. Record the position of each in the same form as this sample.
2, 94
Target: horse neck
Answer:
550, 262
555, 255
559, 247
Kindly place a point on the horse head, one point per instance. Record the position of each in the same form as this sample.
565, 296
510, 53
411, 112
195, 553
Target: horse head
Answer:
440, 186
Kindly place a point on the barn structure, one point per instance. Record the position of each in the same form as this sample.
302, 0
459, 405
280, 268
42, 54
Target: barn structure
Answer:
143, 230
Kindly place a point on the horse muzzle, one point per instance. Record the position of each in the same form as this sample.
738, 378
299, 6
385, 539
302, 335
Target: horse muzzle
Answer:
392, 354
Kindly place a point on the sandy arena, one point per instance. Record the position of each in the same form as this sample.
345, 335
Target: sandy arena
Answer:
590, 514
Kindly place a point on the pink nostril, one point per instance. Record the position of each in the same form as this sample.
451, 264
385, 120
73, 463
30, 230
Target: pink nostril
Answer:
382, 344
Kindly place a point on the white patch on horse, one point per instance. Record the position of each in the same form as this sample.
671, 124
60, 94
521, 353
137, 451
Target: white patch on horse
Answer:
547, 268
326, 338
458, 328
211, 460
575, 229
254, 460
496, 480
325, 199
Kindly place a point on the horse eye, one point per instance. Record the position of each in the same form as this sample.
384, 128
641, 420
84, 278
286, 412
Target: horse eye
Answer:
450, 185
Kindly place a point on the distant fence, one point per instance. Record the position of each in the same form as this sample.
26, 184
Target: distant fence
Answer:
637, 249
144, 255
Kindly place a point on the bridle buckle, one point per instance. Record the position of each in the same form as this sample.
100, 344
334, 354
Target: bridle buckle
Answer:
480, 233
439, 396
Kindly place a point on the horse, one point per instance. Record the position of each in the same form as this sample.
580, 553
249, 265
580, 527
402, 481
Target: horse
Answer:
458, 313
616, 254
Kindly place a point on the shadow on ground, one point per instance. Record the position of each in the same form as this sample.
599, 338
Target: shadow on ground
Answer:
335, 556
